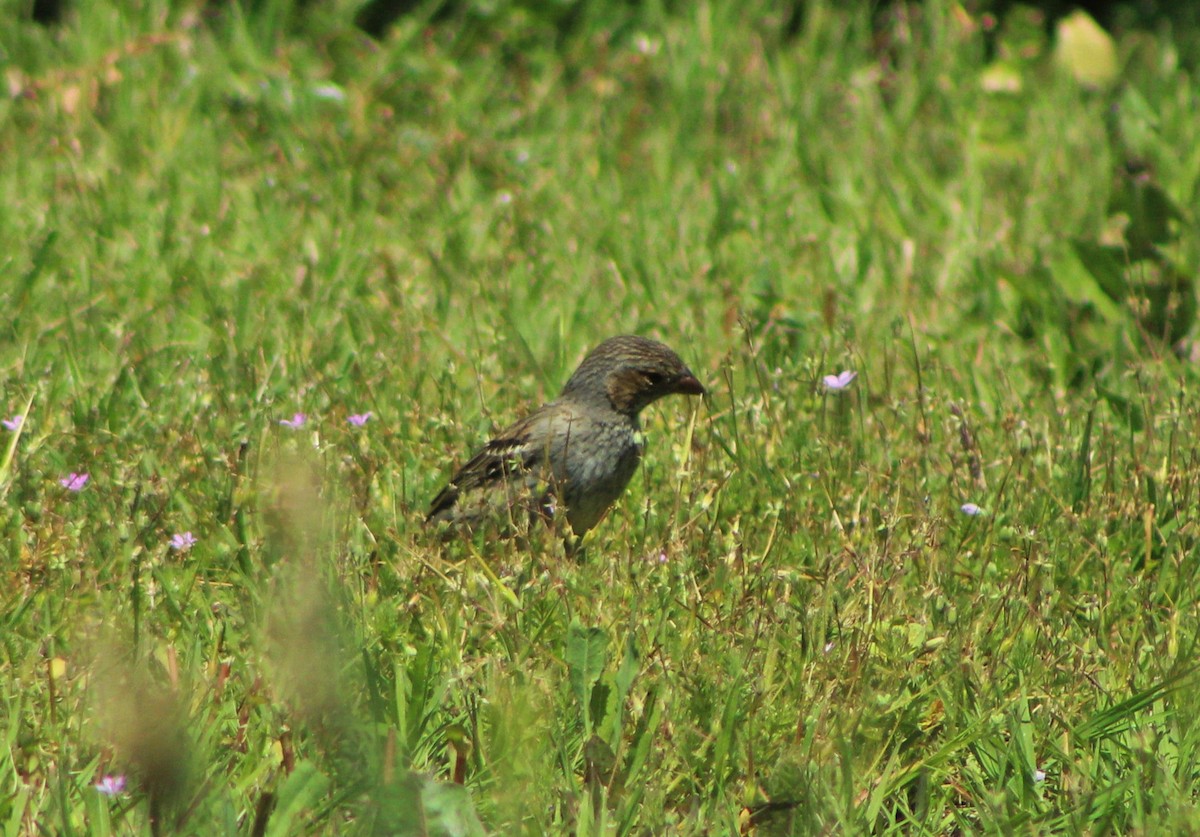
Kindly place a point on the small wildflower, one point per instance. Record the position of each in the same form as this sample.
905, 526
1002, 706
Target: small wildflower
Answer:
971, 509
839, 381
182, 541
295, 422
504, 198
646, 45
74, 481
110, 785
359, 419
1039, 775
329, 92
13, 423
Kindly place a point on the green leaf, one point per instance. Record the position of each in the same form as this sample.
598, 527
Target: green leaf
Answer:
11, 450
419, 806
1151, 213
299, 792
1125, 409
449, 811
644, 734
1106, 265
587, 655
1083, 466
622, 682
1119, 717
1172, 298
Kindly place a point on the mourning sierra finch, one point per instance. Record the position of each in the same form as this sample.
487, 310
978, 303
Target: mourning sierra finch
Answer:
577, 453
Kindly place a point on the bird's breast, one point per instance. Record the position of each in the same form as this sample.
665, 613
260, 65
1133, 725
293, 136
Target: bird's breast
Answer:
609, 452
598, 466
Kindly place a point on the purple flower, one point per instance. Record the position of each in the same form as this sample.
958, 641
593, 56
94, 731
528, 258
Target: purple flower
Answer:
110, 785
971, 509
74, 481
182, 542
295, 422
329, 92
839, 381
359, 419
13, 423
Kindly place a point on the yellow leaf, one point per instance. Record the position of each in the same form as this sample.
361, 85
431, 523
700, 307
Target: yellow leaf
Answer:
1000, 77
1085, 50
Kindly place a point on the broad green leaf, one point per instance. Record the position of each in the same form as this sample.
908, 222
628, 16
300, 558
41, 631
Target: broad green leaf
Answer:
586, 657
298, 793
1106, 266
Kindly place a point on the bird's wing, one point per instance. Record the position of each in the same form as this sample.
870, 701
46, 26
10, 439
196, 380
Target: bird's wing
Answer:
522, 447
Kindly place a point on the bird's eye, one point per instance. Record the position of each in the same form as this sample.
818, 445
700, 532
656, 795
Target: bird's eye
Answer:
655, 378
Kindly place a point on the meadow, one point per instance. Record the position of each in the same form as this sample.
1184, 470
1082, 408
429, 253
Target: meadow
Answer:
268, 281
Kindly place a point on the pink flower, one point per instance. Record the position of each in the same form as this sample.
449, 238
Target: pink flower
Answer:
295, 422
110, 785
359, 419
839, 381
182, 542
13, 423
74, 481
970, 509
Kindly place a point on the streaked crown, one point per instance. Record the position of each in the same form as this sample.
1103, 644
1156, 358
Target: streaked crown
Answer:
630, 373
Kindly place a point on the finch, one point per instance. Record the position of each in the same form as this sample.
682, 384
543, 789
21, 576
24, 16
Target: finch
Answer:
575, 455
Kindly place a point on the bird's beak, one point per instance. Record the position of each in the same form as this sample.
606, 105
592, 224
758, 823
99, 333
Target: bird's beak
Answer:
689, 385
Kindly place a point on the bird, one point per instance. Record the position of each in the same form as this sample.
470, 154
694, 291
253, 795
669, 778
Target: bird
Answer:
575, 455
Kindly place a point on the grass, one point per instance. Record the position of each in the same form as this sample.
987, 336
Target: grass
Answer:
218, 218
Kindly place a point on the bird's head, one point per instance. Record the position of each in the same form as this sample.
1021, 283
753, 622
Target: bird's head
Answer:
630, 373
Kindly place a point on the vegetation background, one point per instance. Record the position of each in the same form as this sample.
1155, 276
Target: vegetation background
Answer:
955, 596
